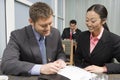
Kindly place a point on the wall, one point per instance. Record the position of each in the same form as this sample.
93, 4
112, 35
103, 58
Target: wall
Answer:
14, 14
2, 27
76, 9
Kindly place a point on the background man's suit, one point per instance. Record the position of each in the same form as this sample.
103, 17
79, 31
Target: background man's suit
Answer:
106, 49
66, 34
23, 51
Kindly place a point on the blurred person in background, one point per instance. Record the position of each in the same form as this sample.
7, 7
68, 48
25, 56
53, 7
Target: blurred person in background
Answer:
71, 32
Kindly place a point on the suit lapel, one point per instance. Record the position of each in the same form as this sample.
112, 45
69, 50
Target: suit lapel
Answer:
98, 47
49, 42
100, 44
33, 44
86, 48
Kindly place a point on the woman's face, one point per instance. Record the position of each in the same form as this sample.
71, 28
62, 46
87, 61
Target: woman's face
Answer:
93, 22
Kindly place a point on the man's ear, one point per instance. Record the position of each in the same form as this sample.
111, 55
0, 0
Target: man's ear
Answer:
31, 21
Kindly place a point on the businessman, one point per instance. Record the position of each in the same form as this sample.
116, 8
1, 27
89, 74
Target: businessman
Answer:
35, 49
71, 32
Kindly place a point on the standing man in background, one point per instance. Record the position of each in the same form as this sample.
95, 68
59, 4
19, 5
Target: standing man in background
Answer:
36, 48
72, 32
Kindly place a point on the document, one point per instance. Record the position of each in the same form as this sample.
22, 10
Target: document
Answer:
76, 73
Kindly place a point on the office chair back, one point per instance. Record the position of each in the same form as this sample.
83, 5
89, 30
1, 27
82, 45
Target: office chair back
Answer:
68, 48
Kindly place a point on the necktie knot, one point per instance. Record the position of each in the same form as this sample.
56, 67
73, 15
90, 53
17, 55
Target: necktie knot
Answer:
41, 38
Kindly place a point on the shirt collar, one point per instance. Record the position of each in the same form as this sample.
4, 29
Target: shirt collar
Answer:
37, 35
72, 32
99, 36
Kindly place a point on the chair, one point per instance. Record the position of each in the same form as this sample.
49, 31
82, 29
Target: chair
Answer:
68, 48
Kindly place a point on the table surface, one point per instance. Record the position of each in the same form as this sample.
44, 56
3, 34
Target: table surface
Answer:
110, 77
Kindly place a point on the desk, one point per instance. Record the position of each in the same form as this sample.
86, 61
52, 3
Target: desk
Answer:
33, 78
22, 78
114, 76
111, 77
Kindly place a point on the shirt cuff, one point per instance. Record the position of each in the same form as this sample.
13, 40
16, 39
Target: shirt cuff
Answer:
35, 70
105, 69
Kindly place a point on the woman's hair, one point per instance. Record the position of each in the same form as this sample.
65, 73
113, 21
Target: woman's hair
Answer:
40, 10
101, 11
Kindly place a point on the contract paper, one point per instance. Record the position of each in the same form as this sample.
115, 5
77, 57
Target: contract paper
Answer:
76, 73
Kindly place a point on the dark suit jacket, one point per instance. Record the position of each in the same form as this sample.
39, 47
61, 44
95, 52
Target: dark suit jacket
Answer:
66, 33
22, 51
107, 48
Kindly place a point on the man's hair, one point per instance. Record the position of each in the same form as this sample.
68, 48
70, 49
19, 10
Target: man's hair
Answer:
73, 22
40, 10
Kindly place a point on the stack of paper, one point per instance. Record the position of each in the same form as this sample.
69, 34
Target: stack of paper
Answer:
76, 73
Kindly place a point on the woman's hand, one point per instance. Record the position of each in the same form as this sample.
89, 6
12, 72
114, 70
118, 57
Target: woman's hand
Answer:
96, 69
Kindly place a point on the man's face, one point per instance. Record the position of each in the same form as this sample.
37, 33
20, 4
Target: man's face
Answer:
72, 26
43, 25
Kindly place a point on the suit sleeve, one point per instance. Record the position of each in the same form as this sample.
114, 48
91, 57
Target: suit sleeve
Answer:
76, 35
115, 67
64, 34
61, 54
78, 56
10, 60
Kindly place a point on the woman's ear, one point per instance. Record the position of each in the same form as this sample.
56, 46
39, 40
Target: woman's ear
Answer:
104, 21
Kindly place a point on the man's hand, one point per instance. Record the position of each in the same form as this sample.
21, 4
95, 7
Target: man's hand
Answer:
96, 69
52, 68
61, 63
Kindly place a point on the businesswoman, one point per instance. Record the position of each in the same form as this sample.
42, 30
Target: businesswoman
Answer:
98, 46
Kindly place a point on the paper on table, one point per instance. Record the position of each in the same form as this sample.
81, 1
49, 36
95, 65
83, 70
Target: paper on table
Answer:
76, 73
3, 77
